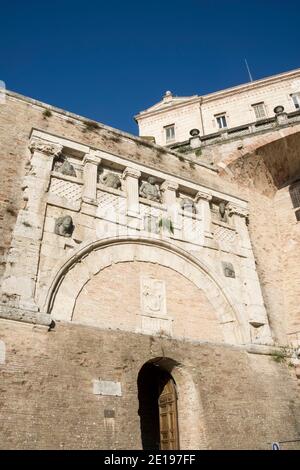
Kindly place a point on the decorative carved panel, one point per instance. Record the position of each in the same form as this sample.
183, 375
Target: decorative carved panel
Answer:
225, 237
192, 229
110, 203
66, 189
153, 297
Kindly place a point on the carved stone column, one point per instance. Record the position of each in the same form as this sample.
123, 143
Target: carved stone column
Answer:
240, 216
90, 170
257, 316
202, 201
131, 177
168, 189
21, 274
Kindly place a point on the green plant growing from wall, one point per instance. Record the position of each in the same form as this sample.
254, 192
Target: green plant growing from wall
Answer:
166, 223
90, 126
47, 113
278, 356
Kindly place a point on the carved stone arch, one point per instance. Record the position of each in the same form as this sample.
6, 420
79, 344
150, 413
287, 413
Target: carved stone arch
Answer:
77, 270
256, 142
266, 162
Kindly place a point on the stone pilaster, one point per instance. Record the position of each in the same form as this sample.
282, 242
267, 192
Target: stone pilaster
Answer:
257, 316
168, 190
21, 274
202, 201
90, 169
240, 216
131, 177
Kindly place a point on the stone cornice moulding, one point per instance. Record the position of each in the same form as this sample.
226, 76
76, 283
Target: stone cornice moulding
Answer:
169, 185
127, 163
204, 196
234, 209
25, 316
133, 172
53, 139
45, 147
91, 158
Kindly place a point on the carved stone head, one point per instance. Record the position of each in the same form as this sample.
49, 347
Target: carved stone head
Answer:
111, 180
64, 226
151, 180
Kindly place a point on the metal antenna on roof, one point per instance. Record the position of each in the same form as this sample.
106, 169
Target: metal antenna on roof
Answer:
250, 76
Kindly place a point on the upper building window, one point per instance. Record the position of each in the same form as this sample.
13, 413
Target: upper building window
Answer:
170, 133
295, 197
221, 121
259, 110
296, 100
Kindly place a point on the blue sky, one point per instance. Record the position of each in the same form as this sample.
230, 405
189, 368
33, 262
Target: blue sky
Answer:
107, 60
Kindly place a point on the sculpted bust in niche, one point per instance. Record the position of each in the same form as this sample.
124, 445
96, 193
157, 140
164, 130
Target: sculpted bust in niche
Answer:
63, 166
149, 190
111, 180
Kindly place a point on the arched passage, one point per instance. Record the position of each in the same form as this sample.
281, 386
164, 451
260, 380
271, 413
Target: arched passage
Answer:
170, 406
158, 408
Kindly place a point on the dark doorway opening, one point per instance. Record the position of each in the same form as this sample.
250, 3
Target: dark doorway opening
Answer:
157, 408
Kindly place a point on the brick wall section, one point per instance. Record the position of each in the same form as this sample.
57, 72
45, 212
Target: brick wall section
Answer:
47, 400
107, 300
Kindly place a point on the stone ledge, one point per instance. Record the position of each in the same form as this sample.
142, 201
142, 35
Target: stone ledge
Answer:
25, 316
262, 349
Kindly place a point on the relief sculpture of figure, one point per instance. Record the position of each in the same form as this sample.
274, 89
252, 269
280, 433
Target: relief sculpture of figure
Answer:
153, 300
149, 190
64, 226
188, 204
63, 166
110, 180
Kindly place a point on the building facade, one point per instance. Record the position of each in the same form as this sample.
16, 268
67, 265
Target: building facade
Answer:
148, 294
171, 120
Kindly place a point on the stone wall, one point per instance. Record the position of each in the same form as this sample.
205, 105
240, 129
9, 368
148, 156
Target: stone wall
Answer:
48, 400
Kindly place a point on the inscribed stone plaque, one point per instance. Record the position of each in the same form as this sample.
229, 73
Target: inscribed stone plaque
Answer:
106, 387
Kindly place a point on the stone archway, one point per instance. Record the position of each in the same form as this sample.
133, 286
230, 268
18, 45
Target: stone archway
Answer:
180, 424
74, 274
253, 144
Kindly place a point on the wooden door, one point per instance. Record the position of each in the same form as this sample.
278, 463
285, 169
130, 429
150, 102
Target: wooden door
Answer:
168, 422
